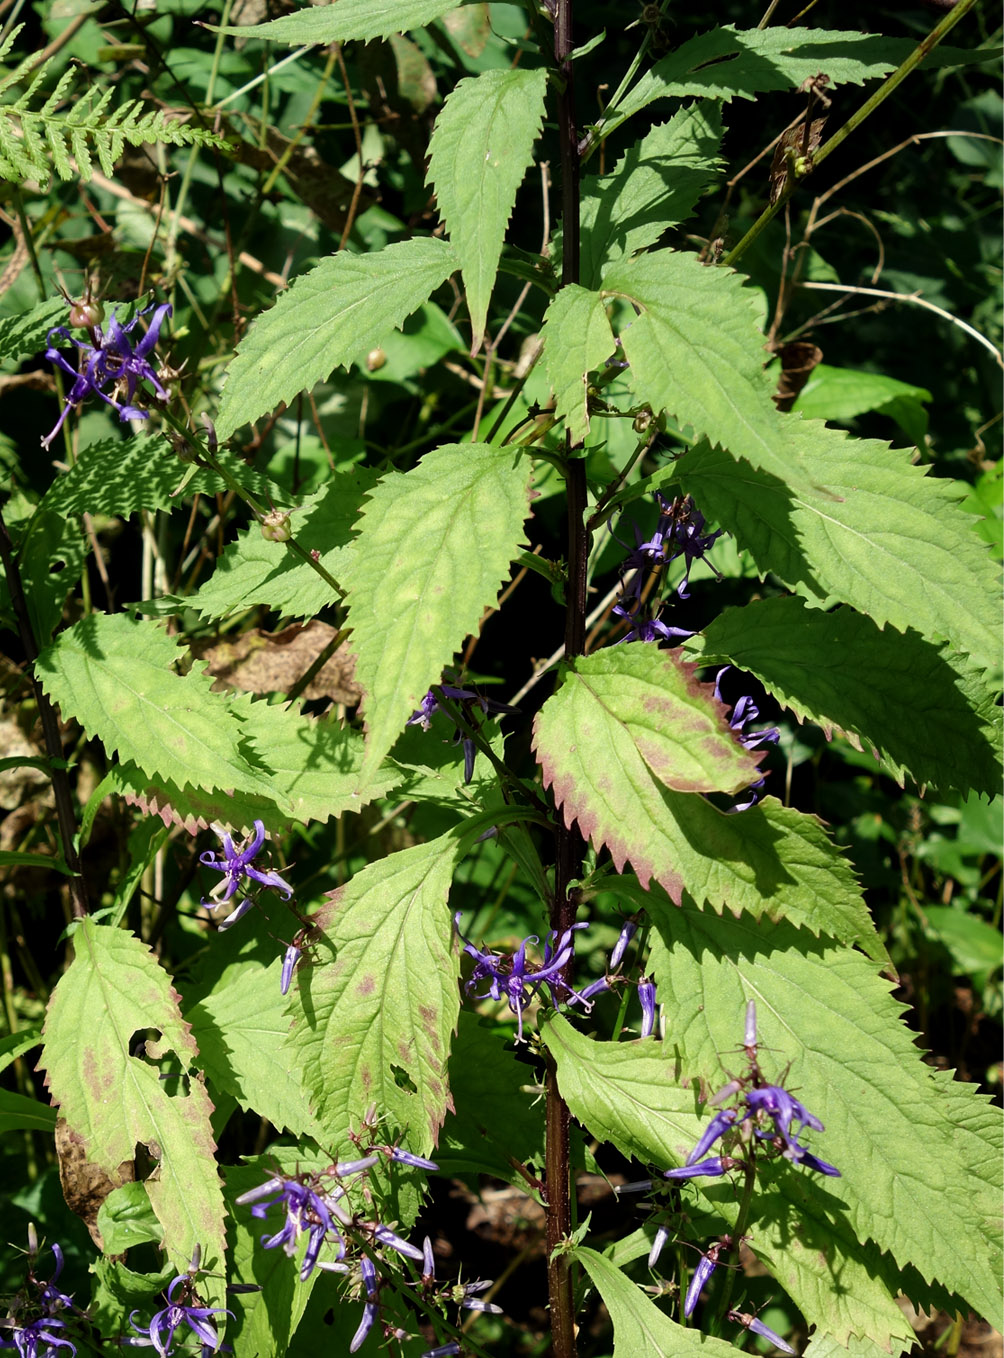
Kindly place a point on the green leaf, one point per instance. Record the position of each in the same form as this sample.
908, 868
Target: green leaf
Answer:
51, 562
974, 945
330, 316
842, 394
480, 149
433, 549
114, 676
769, 860
16, 1044
18, 1112
266, 1318
253, 573
860, 524
376, 1007
316, 765
113, 993
639, 1326
126, 1218
724, 63
241, 1031
653, 186
696, 351
195, 808
119, 476
912, 1145
346, 21
920, 709
14, 858
577, 339
26, 335
496, 1118
633, 715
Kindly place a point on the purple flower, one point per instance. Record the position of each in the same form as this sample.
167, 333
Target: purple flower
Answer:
700, 1276
647, 629
661, 1236
404, 1157
430, 704
110, 363
370, 1313
428, 1260
345, 1167
744, 712
162, 1327
444, 1351
783, 1108
756, 1326
749, 1035
712, 1168
717, 1127
290, 958
50, 1296
646, 994
306, 1210
385, 1236
237, 867
38, 1339
509, 977
627, 933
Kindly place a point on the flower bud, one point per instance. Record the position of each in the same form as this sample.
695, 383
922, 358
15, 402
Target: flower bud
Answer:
275, 526
86, 315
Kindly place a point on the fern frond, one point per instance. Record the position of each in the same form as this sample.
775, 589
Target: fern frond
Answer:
34, 141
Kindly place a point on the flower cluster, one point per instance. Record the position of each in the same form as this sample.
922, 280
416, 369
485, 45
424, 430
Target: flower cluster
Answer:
35, 1320
678, 533
510, 977
111, 365
432, 703
237, 866
764, 1114
745, 712
182, 1312
346, 1240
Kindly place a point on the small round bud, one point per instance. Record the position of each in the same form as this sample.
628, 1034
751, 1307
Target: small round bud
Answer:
275, 526
375, 359
86, 315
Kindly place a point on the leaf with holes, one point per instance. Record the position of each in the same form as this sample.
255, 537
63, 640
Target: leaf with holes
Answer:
434, 547
480, 150
375, 1009
114, 994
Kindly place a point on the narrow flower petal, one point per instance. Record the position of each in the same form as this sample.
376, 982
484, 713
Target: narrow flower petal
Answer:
700, 1276
345, 1167
661, 1236
386, 1236
717, 1127
444, 1350
625, 936
713, 1168
646, 995
370, 1311
404, 1157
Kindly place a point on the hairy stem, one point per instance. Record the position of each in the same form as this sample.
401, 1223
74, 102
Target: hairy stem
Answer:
65, 816
569, 847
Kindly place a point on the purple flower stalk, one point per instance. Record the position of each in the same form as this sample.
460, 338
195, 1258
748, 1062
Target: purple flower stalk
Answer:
111, 363
744, 712
163, 1325
237, 866
509, 977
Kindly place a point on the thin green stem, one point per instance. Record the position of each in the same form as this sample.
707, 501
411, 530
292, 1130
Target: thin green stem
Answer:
739, 1230
888, 87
